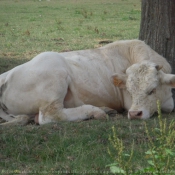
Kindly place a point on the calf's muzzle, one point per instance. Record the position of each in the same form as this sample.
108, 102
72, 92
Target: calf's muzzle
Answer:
135, 114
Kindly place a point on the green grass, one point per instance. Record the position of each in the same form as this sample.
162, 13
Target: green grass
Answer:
73, 147
30, 27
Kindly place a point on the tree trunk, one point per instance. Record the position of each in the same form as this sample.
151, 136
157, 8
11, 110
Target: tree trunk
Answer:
157, 27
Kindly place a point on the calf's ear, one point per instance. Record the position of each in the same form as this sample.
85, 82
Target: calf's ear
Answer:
158, 67
119, 80
168, 79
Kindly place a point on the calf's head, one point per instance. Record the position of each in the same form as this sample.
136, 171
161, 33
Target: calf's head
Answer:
146, 83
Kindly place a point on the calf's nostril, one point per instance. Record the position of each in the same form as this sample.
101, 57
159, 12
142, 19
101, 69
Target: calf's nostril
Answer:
139, 113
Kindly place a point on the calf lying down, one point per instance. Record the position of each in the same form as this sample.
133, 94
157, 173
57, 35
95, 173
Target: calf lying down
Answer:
73, 86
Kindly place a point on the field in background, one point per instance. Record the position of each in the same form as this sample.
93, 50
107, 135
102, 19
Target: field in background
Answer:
30, 27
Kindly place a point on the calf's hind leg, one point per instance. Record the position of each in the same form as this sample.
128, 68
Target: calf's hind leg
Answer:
6, 117
18, 120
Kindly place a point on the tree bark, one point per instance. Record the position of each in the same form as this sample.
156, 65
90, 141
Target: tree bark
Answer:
157, 27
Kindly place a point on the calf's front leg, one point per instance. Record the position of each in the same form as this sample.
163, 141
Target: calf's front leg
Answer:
53, 113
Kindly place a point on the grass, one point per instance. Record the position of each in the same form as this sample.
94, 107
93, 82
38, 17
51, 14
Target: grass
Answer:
30, 27
70, 147
159, 156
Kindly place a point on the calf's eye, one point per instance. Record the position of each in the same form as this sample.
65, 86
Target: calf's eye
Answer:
152, 92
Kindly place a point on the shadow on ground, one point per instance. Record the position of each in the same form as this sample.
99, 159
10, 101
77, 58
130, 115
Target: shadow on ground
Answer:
9, 63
